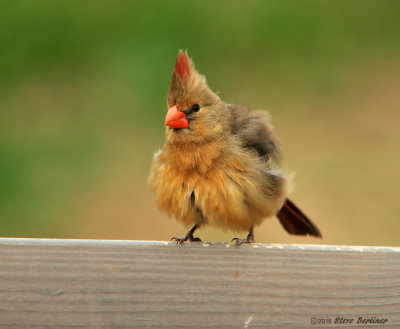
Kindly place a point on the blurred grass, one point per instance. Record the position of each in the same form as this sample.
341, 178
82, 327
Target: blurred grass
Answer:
82, 100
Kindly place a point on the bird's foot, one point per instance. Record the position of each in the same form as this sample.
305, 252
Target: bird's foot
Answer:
186, 238
248, 240
242, 241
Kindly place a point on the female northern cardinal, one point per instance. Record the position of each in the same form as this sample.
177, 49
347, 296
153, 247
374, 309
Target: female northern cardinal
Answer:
220, 164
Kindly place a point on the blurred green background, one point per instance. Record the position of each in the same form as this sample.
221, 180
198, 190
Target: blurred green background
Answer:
83, 89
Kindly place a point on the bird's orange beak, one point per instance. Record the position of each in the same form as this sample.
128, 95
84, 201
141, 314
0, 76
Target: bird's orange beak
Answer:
176, 119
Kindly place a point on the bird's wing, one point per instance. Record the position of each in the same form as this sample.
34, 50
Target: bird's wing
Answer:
256, 132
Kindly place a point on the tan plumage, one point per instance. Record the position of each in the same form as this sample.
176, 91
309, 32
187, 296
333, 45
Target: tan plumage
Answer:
220, 163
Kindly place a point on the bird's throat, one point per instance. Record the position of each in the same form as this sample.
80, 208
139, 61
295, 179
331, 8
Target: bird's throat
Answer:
199, 157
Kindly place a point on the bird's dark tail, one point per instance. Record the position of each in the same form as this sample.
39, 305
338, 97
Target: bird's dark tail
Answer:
295, 222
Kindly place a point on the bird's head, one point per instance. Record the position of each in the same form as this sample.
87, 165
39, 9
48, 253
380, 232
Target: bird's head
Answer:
195, 113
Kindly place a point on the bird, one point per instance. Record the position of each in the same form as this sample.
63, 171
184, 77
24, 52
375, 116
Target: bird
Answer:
220, 164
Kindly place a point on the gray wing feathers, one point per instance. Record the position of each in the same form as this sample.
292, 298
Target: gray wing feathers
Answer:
255, 130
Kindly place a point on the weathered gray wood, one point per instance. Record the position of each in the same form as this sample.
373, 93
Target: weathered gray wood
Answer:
133, 284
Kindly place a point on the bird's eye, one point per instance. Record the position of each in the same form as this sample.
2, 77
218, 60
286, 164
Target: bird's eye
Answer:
195, 107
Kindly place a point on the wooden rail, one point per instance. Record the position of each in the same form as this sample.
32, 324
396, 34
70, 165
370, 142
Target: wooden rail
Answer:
141, 284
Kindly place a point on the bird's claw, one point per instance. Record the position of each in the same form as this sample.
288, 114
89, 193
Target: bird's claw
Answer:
186, 238
249, 239
242, 241
178, 240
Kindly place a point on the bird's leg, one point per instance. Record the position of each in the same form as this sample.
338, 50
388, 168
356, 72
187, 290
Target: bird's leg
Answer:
249, 239
188, 237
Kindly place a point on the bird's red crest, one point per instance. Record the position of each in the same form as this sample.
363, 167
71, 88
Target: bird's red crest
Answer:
182, 66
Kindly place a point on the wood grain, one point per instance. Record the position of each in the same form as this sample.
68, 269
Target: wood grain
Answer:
139, 284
